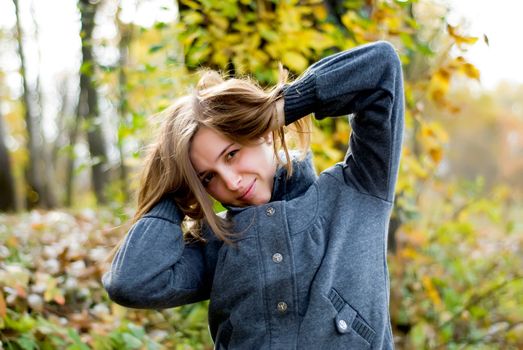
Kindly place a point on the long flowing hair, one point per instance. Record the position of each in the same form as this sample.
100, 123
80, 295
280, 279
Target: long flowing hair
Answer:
237, 108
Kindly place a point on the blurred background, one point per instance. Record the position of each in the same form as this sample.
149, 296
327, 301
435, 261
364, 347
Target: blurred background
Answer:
80, 80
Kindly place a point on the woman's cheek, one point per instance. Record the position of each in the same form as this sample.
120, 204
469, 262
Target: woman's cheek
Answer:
212, 190
218, 192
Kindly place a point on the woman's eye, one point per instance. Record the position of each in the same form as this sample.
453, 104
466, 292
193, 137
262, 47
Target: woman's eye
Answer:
207, 179
231, 154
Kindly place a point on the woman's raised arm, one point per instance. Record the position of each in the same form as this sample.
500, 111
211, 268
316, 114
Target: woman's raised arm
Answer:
365, 82
154, 267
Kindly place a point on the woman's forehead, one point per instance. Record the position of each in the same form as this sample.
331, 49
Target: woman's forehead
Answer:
207, 147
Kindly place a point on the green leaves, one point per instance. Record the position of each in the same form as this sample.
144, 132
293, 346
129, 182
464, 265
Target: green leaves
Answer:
155, 48
77, 342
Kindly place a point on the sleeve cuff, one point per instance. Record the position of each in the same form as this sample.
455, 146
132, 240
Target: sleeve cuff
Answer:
300, 98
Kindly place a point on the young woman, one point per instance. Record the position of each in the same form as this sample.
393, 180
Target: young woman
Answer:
298, 261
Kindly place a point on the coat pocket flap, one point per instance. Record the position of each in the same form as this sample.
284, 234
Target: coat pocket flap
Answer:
345, 318
348, 319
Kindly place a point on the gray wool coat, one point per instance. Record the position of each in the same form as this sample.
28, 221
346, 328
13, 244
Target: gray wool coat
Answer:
309, 269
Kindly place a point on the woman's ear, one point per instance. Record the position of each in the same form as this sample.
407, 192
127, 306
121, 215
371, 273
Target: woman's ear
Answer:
268, 138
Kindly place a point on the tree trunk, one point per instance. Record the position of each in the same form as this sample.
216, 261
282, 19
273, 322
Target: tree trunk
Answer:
68, 131
88, 108
46, 164
34, 184
123, 106
71, 158
7, 184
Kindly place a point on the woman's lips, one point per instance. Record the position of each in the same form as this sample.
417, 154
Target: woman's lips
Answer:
250, 191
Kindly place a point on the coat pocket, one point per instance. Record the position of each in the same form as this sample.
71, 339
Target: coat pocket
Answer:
223, 337
348, 320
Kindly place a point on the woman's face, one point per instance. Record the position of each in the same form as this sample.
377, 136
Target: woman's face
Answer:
232, 173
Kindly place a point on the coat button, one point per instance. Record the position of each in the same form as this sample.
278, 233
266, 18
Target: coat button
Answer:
282, 307
270, 211
342, 324
277, 258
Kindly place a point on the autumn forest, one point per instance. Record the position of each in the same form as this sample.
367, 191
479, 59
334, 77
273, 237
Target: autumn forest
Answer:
72, 144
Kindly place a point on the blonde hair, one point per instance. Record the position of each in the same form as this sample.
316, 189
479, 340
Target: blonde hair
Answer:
238, 109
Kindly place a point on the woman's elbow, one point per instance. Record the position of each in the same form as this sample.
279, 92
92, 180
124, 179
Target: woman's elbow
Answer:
386, 51
124, 292
386, 56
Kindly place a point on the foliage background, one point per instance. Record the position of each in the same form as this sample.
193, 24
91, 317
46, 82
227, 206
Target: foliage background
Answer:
456, 232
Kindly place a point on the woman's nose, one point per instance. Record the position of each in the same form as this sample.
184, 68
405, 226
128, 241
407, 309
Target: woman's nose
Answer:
233, 181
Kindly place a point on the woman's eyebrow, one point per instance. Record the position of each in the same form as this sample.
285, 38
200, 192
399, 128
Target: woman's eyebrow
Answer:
223, 151
201, 173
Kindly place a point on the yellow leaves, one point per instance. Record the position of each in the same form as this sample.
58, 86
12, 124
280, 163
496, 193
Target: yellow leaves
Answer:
341, 136
388, 18
220, 22
217, 32
408, 253
232, 39
297, 46
432, 137
416, 236
220, 57
267, 32
434, 130
192, 18
292, 18
15, 276
436, 153
295, 61
320, 41
412, 166
431, 291
501, 193
353, 23
118, 311
324, 149
465, 68
439, 84
320, 12
3, 306
252, 40
471, 71
460, 39
12, 242
254, 43
404, 184
259, 58
348, 19
420, 166
440, 81
192, 4
53, 291
38, 226
200, 54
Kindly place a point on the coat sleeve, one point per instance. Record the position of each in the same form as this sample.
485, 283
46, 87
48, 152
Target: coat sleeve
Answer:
154, 267
365, 83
